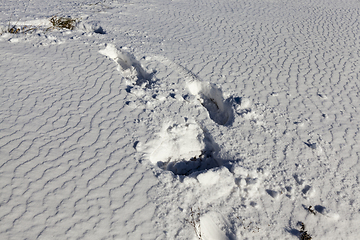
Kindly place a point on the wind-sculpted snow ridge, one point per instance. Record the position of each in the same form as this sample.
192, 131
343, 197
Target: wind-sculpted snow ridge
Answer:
65, 169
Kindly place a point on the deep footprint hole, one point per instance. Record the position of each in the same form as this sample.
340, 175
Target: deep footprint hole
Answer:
219, 110
211, 97
190, 166
183, 149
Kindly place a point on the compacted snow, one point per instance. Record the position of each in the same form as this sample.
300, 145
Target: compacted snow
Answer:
180, 119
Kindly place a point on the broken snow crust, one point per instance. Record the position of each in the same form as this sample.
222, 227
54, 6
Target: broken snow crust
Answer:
185, 119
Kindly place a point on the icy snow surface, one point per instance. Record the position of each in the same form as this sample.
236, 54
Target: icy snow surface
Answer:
180, 119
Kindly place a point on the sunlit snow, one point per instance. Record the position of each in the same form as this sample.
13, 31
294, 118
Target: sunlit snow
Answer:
180, 119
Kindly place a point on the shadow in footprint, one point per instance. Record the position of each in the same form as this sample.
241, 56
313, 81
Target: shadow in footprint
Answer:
211, 97
310, 145
183, 149
272, 193
306, 189
293, 232
128, 65
188, 166
204, 161
320, 209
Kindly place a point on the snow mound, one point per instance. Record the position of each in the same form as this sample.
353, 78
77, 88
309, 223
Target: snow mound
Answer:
216, 183
90, 27
182, 149
45, 24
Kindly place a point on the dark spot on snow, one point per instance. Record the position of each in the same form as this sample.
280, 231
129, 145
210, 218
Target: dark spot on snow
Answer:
128, 89
195, 164
135, 144
293, 231
244, 112
253, 204
222, 116
306, 189
310, 145
320, 209
99, 30
188, 97
237, 100
298, 180
272, 193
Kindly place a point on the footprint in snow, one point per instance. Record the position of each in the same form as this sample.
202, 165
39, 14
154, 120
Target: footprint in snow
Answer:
128, 65
182, 149
211, 97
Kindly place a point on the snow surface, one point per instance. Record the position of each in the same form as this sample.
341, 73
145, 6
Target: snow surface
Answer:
180, 119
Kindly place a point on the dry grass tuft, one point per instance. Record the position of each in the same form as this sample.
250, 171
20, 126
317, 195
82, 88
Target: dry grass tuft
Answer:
13, 29
195, 222
304, 235
63, 22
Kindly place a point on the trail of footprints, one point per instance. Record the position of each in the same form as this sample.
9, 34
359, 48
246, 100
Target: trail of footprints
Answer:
183, 148
187, 148
193, 144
